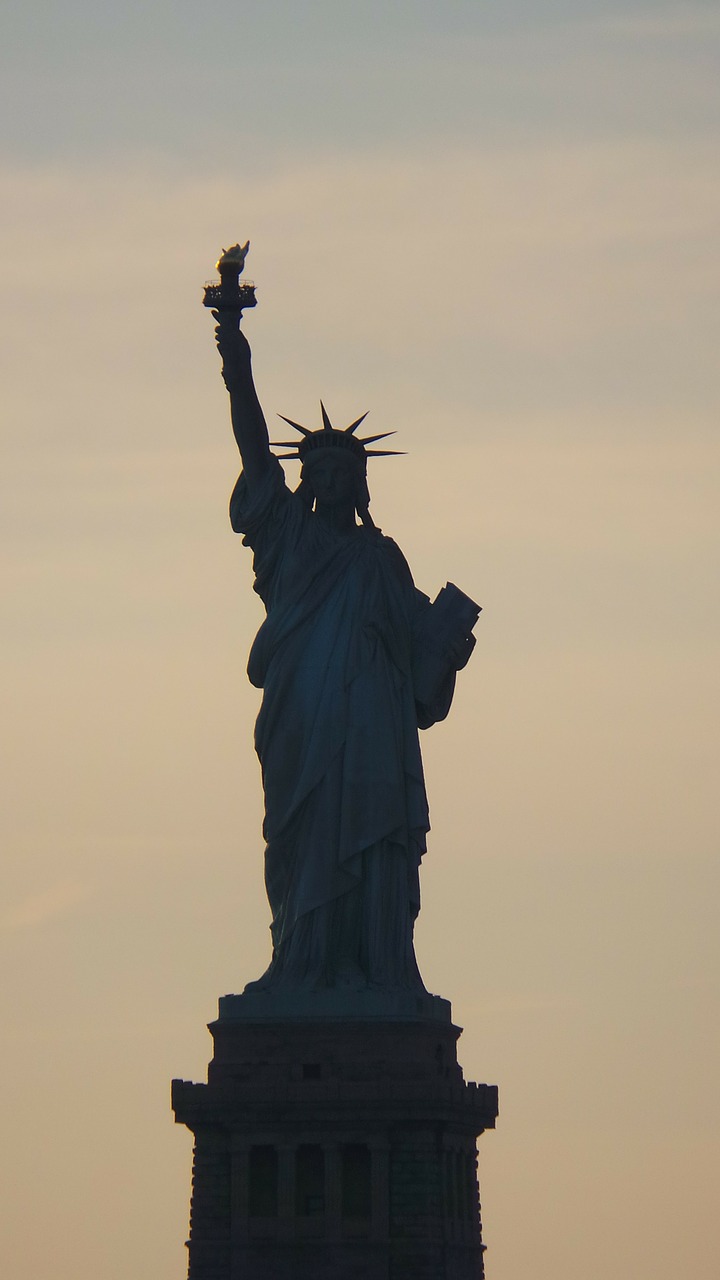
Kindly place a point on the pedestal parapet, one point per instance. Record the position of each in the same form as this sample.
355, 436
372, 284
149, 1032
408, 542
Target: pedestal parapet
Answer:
331, 1148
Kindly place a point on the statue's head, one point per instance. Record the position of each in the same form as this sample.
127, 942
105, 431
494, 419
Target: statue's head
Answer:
336, 477
334, 463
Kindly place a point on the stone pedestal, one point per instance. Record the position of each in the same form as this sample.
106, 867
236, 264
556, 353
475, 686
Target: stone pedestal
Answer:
335, 1148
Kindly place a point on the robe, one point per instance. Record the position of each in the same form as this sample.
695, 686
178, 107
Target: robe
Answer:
346, 813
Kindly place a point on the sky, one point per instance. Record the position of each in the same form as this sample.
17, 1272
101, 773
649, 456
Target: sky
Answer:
495, 228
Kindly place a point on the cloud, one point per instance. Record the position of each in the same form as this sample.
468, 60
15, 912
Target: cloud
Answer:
320, 78
585, 266
39, 909
682, 21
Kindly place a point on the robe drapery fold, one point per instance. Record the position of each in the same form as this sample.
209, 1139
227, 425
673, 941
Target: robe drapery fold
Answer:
346, 812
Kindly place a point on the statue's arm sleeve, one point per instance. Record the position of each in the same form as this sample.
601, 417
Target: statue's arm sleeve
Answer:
248, 420
435, 703
268, 516
253, 509
433, 668
433, 656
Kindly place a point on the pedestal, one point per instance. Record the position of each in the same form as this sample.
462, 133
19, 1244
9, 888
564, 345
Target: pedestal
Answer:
333, 1147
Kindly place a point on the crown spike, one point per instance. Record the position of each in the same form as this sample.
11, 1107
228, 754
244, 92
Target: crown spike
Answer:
385, 453
354, 425
282, 457
372, 439
327, 424
305, 430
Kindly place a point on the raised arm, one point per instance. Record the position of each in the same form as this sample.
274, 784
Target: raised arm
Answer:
248, 420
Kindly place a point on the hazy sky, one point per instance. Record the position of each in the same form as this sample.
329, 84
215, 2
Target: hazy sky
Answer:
495, 228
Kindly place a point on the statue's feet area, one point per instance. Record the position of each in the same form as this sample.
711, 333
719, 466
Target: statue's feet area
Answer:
260, 984
347, 977
341, 1001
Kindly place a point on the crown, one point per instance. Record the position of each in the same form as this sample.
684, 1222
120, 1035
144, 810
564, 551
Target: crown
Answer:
328, 437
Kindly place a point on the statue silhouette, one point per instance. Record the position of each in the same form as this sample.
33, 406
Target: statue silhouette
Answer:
352, 660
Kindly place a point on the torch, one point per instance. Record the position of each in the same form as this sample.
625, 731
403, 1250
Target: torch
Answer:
229, 297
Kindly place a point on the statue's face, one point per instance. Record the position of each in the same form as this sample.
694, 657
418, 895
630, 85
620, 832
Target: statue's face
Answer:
333, 476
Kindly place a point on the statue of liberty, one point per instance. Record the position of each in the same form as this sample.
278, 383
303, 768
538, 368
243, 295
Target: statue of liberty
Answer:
352, 660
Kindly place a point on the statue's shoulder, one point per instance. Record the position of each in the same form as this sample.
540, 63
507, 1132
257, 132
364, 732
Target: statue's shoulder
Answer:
390, 551
251, 508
